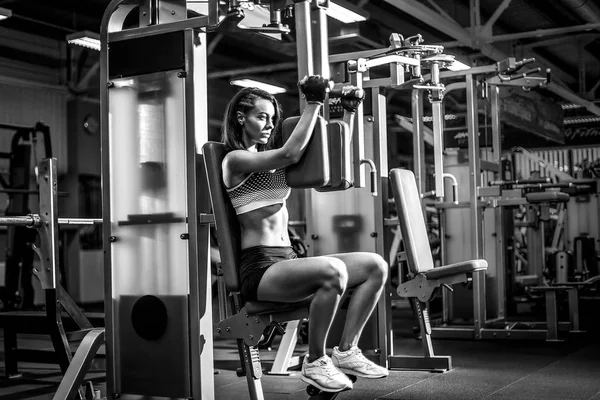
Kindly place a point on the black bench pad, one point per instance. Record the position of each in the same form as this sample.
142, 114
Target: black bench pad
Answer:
271, 307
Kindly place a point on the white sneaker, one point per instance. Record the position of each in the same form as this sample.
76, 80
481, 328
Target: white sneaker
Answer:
322, 374
353, 362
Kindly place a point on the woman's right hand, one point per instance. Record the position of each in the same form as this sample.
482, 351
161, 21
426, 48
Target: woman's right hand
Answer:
315, 87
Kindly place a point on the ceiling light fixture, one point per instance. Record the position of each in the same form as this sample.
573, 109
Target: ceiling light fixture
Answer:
261, 85
345, 12
447, 117
90, 40
581, 120
570, 106
5, 13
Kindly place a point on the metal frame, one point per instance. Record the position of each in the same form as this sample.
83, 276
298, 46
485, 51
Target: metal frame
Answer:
199, 318
47, 224
482, 326
359, 64
477, 38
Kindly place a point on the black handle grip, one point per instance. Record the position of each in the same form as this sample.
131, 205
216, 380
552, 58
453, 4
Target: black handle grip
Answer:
524, 74
337, 93
374, 182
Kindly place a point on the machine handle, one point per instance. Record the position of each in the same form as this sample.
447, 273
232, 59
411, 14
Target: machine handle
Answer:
373, 175
337, 93
454, 186
374, 183
525, 61
524, 74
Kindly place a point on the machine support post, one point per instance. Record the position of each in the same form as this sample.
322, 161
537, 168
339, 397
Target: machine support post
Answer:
418, 143
358, 134
158, 107
438, 147
479, 311
304, 42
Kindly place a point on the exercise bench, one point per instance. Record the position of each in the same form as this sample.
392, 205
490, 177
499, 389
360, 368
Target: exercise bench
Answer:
251, 322
422, 280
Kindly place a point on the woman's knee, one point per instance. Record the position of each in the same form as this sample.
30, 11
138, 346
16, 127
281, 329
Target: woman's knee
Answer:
334, 274
379, 268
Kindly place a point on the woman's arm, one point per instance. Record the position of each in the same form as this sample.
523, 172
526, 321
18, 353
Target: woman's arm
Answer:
348, 118
239, 161
351, 99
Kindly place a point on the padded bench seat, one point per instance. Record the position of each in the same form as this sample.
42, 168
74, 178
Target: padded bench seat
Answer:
271, 307
455, 269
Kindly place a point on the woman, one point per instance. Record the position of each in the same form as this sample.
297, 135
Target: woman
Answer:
254, 175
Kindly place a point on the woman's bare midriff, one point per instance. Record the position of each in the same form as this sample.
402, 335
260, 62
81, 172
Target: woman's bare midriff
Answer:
266, 226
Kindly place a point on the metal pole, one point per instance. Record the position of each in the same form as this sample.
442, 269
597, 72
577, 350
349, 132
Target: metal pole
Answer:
418, 144
198, 199
358, 133
79, 221
28, 221
479, 308
303, 42
438, 147
493, 92
384, 306
436, 97
305, 68
320, 42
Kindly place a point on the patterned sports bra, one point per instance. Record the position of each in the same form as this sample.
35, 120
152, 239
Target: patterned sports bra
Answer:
259, 189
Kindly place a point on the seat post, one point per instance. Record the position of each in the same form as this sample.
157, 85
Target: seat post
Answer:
423, 313
251, 363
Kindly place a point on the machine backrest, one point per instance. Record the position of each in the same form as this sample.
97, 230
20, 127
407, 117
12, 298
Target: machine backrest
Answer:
226, 222
411, 220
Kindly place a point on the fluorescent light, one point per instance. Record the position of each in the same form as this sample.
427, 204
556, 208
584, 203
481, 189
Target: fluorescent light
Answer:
343, 13
458, 66
5, 13
570, 106
581, 120
261, 85
447, 117
90, 40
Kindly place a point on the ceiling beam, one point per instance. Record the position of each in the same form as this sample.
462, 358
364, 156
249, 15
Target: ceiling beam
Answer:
453, 29
541, 33
450, 28
558, 73
486, 29
440, 10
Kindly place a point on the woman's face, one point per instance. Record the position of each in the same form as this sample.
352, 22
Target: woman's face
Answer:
257, 124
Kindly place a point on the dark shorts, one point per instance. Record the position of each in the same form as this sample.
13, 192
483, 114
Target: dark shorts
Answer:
255, 261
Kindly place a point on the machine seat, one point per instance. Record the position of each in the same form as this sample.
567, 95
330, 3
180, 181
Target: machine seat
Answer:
547, 197
271, 307
456, 269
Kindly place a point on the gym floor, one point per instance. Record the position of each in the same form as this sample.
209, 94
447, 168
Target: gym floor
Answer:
491, 370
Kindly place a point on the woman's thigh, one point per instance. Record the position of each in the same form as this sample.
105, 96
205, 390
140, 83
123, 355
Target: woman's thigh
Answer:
296, 279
